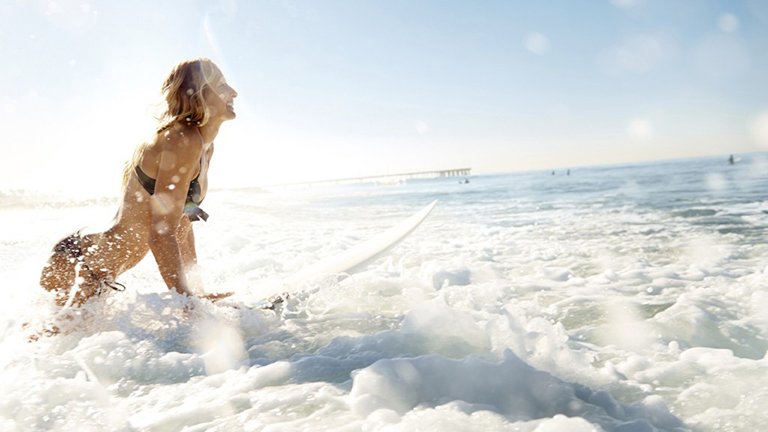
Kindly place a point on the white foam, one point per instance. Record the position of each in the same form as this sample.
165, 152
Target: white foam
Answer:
505, 313
512, 388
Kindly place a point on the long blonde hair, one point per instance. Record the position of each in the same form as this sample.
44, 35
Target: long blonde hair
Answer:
183, 93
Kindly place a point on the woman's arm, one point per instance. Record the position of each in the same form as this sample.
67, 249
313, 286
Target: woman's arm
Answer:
189, 261
187, 243
179, 162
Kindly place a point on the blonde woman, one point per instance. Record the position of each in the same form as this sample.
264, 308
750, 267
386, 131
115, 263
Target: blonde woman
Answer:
163, 186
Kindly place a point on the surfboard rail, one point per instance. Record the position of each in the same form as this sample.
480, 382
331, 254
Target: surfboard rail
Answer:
346, 262
362, 254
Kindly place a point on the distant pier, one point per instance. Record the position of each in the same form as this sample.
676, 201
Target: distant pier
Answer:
388, 178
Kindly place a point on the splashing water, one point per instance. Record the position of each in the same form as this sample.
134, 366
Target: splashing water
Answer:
626, 298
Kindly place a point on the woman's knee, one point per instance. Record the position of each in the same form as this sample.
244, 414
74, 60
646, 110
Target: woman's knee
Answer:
59, 272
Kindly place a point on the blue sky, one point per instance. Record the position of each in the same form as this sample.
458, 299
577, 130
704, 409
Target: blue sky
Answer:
342, 88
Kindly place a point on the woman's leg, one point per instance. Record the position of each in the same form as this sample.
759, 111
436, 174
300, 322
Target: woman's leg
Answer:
72, 266
59, 272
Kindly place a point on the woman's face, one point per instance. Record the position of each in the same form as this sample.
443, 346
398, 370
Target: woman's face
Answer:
219, 97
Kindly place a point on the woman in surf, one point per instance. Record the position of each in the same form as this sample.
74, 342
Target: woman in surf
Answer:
163, 186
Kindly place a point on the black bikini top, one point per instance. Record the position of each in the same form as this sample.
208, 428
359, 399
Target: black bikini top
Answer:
194, 194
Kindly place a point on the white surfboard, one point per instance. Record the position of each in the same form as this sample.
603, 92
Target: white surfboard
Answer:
344, 263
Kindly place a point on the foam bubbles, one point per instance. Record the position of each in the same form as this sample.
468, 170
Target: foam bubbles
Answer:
606, 300
626, 327
511, 388
457, 330
222, 344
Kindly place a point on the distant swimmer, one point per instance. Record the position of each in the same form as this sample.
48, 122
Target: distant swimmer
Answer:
163, 186
731, 160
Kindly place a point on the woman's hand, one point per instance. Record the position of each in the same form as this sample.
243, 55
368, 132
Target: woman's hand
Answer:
217, 296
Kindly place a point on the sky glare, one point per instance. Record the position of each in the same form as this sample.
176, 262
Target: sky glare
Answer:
340, 88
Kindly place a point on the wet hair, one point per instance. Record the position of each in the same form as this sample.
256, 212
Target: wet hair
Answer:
183, 92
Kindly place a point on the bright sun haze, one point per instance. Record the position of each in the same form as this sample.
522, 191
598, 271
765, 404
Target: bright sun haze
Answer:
366, 88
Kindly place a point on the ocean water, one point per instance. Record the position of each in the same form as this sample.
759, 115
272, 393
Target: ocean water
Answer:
617, 298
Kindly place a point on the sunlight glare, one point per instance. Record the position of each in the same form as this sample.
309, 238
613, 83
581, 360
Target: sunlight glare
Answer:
537, 43
759, 129
728, 23
640, 129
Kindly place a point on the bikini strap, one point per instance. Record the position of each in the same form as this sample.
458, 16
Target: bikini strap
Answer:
146, 181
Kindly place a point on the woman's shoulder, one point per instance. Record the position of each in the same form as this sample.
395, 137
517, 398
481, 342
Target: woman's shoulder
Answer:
179, 136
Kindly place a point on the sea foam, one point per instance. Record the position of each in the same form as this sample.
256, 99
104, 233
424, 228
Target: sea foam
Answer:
619, 299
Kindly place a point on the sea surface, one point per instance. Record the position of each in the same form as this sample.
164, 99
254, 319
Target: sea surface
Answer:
626, 298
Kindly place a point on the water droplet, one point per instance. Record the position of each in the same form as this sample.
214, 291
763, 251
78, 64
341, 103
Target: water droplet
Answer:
161, 227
